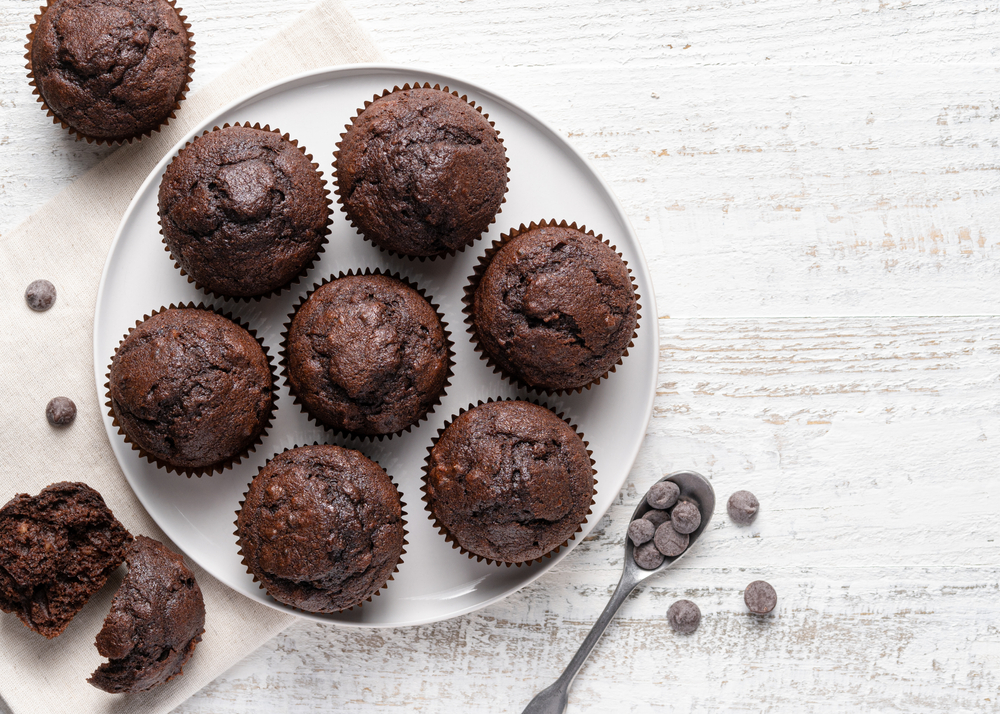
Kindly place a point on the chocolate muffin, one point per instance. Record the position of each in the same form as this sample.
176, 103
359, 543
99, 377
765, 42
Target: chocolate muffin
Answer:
243, 211
321, 528
56, 550
554, 308
191, 388
421, 172
367, 354
112, 70
509, 481
156, 619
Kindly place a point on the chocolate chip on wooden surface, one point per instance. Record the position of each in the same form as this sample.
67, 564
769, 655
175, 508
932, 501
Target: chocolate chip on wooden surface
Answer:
657, 518
641, 531
684, 617
686, 517
743, 507
60, 411
663, 494
647, 556
760, 597
40, 295
669, 542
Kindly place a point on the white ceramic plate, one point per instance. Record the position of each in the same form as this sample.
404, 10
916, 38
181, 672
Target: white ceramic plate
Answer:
548, 179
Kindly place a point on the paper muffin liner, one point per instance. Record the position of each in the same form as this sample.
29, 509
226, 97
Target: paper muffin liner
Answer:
284, 356
222, 465
443, 529
305, 269
78, 135
383, 586
480, 269
348, 127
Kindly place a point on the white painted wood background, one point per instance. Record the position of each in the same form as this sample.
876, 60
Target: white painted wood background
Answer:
815, 184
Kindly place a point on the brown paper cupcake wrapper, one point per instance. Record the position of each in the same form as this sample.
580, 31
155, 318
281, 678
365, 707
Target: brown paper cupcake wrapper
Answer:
78, 135
305, 269
443, 529
283, 353
477, 275
348, 127
222, 465
399, 561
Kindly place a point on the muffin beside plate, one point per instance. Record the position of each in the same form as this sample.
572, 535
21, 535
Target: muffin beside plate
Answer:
110, 70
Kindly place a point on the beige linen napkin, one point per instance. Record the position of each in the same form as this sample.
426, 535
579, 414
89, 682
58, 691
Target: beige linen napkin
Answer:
43, 355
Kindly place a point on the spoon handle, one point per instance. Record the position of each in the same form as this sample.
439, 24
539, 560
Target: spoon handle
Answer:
554, 698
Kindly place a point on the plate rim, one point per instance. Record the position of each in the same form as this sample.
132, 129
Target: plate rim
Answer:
331, 72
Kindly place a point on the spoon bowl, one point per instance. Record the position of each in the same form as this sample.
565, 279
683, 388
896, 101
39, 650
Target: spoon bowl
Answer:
693, 487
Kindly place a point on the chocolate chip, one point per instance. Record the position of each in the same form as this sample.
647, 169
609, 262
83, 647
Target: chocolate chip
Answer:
647, 556
684, 616
686, 517
40, 295
641, 531
657, 518
743, 507
663, 494
760, 597
670, 542
60, 411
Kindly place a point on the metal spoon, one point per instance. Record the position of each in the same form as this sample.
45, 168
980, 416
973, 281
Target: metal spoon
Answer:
694, 487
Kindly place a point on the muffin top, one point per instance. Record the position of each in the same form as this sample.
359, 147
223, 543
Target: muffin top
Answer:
321, 528
191, 388
510, 481
111, 69
555, 308
243, 211
367, 354
56, 550
421, 173
156, 619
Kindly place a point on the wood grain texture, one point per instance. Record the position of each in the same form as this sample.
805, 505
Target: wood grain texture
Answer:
815, 185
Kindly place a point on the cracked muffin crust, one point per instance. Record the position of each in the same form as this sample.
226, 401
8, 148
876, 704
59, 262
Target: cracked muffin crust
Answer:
510, 481
156, 619
367, 354
243, 211
56, 550
111, 69
321, 528
555, 308
421, 172
191, 388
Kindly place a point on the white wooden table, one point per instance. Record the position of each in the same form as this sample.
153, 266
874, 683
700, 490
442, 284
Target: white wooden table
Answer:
816, 188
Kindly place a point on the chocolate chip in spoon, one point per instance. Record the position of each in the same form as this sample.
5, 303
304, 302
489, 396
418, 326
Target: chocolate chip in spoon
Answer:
656, 517
663, 495
648, 557
686, 517
641, 531
670, 542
